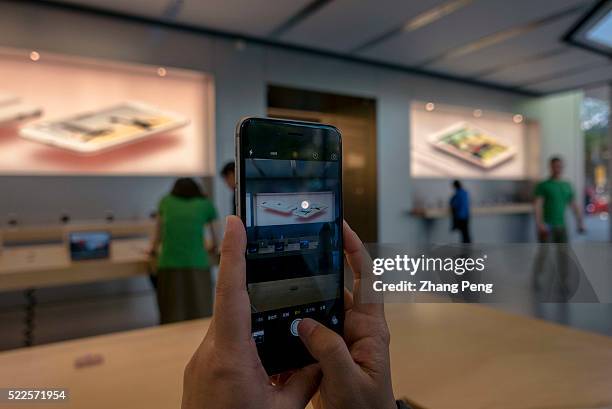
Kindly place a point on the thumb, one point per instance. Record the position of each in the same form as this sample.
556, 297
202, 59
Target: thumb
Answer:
232, 313
327, 347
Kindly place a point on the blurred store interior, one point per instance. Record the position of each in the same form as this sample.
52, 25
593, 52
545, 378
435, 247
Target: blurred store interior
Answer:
533, 77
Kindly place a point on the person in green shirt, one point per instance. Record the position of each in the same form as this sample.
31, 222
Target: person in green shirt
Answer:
184, 284
552, 197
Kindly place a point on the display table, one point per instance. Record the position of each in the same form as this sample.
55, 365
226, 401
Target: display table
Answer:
45, 265
57, 232
38, 255
443, 356
30, 266
499, 209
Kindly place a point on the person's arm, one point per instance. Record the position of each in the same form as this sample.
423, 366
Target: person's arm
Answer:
578, 214
211, 217
214, 236
538, 203
157, 237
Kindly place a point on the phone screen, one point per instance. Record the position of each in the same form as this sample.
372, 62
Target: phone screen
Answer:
290, 199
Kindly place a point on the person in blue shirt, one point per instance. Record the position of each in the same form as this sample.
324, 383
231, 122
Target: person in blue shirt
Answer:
460, 212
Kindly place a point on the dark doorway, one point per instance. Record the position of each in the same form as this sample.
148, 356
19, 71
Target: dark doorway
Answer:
356, 119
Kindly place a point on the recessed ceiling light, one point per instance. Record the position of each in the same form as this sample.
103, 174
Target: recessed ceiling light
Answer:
477, 113
161, 71
434, 14
430, 106
34, 56
518, 118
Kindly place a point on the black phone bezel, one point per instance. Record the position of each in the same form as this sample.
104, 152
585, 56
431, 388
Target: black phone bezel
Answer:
286, 129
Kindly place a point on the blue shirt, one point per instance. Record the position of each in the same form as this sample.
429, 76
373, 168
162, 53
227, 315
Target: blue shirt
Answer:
460, 204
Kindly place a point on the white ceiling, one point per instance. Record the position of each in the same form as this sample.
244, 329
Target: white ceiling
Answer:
146, 8
513, 44
542, 69
343, 25
506, 54
469, 24
253, 17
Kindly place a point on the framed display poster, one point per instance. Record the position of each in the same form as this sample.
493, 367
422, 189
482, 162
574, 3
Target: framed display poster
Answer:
63, 115
458, 142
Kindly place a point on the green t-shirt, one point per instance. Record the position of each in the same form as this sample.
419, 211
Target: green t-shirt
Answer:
182, 231
557, 194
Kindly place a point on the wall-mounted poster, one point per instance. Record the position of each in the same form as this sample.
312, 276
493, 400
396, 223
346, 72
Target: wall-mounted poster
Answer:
457, 142
69, 115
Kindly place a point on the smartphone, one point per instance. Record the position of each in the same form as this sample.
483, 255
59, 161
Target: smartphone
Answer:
97, 131
289, 191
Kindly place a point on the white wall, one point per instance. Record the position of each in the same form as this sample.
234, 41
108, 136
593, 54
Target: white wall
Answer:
560, 127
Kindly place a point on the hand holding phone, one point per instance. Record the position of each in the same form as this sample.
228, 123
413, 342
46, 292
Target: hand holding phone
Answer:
289, 190
226, 372
356, 370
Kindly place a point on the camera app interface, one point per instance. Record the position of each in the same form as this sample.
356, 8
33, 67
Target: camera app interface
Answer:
294, 240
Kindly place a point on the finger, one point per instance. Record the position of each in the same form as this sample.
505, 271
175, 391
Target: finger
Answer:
302, 385
327, 347
232, 312
360, 262
316, 400
353, 249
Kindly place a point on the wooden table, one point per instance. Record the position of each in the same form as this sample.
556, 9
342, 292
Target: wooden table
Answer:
46, 265
443, 356
57, 232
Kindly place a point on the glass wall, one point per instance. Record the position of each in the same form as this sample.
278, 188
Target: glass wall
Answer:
595, 124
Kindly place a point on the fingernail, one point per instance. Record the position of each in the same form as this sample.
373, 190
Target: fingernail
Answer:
306, 326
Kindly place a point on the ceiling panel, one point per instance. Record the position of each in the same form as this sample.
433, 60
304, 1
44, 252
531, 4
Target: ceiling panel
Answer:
577, 80
545, 68
536, 59
603, 93
525, 46
343, 25
144, 8
252, 17
480, 19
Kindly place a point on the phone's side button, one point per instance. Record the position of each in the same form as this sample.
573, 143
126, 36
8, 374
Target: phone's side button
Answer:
294, 326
